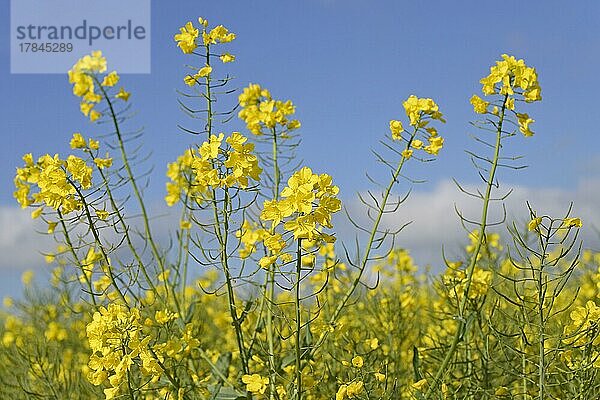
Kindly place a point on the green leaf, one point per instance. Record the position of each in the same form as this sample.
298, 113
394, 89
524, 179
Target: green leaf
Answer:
223, 363
416, 361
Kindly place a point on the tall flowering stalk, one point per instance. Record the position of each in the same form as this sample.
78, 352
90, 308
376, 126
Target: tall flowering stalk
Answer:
422, 138
272, 124
94, 90
66, 185
509, 80
306, 206
532, 286
215, 175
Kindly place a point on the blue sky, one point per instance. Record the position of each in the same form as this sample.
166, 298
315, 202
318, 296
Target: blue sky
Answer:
348, 65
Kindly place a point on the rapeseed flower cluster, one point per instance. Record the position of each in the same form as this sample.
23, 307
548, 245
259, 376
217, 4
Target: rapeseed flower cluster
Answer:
187, 38
250, 235
418, 109
581, 337
117, 341
582, 328
420, 112
57, 183
85, 77
120, 342
55, 180
455, 281
350, 390
213, 165
513, 80
259, 111
306, 206
509, 76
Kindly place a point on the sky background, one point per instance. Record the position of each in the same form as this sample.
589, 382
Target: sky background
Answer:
347, 66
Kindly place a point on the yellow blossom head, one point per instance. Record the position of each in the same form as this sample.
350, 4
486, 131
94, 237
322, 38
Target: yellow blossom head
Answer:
186, 38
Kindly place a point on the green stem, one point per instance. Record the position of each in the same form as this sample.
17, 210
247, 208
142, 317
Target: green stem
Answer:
74, 254
124, 350
276, 173
298, 322
542, 361
222, 237
542, 320
183, 257
270, 281
209, 113
524, 369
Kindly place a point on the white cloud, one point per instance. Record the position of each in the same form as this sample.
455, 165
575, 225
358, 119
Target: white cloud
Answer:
23, 242
20, 242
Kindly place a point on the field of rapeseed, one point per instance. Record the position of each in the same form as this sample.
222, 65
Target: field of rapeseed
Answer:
253, 297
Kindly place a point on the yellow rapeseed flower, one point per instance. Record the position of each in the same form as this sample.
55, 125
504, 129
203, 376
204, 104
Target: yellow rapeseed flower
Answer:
102, 214
255, 383
572, 222
123, 95
479, 105
77, 142
27, 277
204, 71
111, 79
396, 128
534, 223
407, 153
186, 38
103, 162
183, 224
227, 58
358, 362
